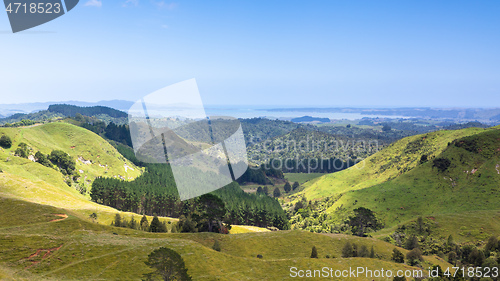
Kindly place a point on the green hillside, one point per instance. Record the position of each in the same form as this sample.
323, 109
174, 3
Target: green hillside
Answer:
396, 159
24, 179
398, 185
35, 247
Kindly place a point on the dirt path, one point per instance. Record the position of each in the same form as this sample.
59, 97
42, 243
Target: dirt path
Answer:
48, 252
63, 217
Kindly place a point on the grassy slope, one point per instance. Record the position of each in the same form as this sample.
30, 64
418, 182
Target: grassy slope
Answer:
389, 163
33, 182
462, 204
82, 250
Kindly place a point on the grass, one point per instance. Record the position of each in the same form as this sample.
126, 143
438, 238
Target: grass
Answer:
301, 178
398, 188
387, 164
82, 250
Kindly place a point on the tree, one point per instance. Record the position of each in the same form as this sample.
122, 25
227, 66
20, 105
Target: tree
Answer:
363, 251
411, 243
396, 278
265, 190
186, 224
42, 159
372, 253
347, 250
133, 223
5, 141
476, 257
144, 224
63, 161
452, 257
363, 220
295, 185
210, 212
414, 256
442, 164
21, 153
216, 246
423, 158
287, 187
260, 190
167, 264
155, 225
492, 244
397, 256
276, 192
386, 128
118, 220
420, 225
314, 253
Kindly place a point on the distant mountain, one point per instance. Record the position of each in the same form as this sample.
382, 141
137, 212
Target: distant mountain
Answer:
71, 110
310, 119
103, 113
7, 110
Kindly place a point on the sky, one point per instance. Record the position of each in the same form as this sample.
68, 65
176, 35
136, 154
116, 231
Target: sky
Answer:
279, 53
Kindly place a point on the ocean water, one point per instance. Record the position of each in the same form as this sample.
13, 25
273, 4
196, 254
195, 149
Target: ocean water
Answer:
286, 114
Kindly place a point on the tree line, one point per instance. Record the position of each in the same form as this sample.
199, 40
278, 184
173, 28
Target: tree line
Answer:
155, 193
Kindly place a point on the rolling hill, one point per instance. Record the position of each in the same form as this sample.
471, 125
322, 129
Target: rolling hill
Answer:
458, 177
39, 247
24, 179
46, 232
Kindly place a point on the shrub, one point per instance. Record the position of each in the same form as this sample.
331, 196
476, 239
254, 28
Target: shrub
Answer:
21, 153
63, 161
423, 159
287, 187
363, 251
42, 159
259, 256
347, 250
414, 256
314, 253
216, 246
397, 256
442, 164
5, 141
276, 192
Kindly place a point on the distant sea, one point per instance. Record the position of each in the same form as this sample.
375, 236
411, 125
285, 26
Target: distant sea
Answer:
284, 113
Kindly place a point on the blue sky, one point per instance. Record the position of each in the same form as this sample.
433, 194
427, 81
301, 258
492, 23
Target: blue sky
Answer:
285, 53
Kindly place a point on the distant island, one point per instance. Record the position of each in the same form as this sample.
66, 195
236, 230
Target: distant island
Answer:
310, 119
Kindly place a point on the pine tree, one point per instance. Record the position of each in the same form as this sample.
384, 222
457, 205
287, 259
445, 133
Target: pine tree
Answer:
144, 223
155, 225
314, 253
372, 253
295, 185
118, 220
133, 223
